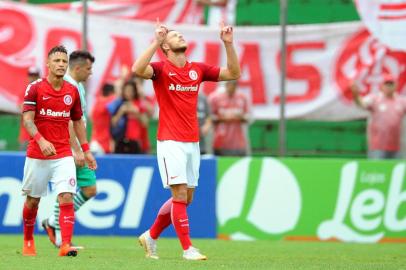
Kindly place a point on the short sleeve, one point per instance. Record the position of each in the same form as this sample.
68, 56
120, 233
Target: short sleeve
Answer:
76, 111
157, 67
30, 97
210, 73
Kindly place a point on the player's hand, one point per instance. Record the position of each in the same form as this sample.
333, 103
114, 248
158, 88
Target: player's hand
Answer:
79, 158
125, 71
91, 162
226, 33
354, 88
161, 31
46, 147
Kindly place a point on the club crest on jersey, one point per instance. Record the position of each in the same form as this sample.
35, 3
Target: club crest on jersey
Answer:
193, 75
67, 99
72, 182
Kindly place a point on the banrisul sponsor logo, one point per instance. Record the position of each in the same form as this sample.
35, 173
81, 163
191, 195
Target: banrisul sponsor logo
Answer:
257, 198
50, 112
368, 205
182, 88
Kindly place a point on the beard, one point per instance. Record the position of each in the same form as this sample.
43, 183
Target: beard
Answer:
181, 49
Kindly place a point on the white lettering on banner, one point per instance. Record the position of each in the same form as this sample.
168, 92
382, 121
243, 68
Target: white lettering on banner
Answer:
367, 203
11, 187
396, 196
136, 197
114, 198
8, 187
115, 194
314, 91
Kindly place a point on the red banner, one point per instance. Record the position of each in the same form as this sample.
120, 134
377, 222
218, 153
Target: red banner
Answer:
322, 60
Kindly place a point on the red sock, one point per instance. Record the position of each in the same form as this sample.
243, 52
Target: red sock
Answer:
29, 216
180, 221
66, 221
162, 221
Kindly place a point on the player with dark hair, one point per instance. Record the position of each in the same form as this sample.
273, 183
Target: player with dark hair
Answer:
49, 104
80, 68
176, 83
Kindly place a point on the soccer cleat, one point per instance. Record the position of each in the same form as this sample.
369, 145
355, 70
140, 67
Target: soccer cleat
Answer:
68, 250
50, 231
149, 245
193, 254
29, 248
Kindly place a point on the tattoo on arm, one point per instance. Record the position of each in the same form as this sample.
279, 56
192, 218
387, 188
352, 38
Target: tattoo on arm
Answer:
28, 121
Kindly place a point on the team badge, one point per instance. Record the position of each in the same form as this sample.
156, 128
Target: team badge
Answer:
193, 75
72, 182
67, 99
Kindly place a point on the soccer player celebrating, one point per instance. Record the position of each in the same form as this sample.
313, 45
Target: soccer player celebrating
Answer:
176, 83
80, 68
49, 104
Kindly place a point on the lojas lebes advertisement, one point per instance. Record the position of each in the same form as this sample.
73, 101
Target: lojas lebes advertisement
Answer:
311, 199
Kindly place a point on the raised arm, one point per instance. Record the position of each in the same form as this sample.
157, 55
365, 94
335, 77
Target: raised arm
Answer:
232, 71
141, 67
357, 98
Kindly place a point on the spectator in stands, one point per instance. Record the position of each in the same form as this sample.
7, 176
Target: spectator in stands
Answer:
203, 115
33, 74
230, 114
387, 110
127, 118
148, 103
101, 142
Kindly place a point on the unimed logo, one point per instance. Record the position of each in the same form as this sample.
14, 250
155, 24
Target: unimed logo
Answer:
257, 197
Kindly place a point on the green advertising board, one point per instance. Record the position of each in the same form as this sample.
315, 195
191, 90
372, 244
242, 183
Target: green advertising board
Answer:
311, 199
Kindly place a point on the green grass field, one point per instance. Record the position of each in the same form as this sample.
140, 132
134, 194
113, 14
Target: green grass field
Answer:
124, 253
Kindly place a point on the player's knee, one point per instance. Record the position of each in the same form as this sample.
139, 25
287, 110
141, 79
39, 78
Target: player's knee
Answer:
32, 202
90, 192
65, 197
180, 196
179, 193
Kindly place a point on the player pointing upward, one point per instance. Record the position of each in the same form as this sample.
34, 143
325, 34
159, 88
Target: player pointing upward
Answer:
176, 83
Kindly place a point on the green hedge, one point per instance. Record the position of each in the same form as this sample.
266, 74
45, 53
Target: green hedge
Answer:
304, 138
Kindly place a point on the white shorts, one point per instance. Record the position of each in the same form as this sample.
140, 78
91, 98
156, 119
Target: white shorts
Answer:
38, 172
178, 162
